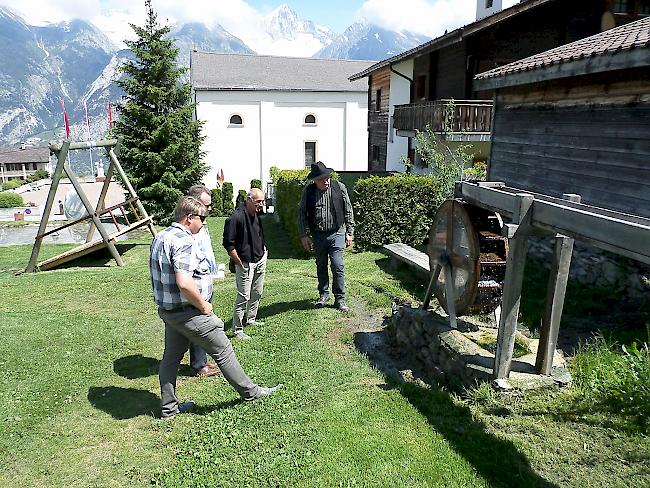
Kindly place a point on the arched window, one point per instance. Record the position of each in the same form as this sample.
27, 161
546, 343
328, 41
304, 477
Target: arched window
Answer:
236, 119
310, 119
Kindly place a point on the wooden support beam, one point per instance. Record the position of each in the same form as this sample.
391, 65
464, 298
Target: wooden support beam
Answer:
517, 249
91, 211
143, 213
100, 201
557, 283
61, 154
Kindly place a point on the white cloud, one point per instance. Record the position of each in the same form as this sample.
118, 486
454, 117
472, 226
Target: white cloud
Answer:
429, 17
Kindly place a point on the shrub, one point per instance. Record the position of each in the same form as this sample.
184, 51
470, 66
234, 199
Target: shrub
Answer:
255, 183
288, 190
217, 203
12, 184
9, 199
396, 208
227, 194
241, 198
39, 174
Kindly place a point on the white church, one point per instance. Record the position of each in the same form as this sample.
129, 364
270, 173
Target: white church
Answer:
265, 111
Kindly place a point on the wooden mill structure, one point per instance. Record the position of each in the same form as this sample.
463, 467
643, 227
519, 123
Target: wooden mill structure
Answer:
470, 245
131, 210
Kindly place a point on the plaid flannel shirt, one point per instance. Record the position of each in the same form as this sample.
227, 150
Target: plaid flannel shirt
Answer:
175, 250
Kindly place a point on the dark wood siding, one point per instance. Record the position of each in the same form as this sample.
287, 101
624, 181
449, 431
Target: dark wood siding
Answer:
450, 73
378, 120
589, 136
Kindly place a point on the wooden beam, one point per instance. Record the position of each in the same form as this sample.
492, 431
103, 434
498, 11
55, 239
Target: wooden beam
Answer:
84, 145
61, 154
557, 283
516, 260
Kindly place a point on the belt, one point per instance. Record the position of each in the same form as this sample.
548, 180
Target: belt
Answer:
180, 308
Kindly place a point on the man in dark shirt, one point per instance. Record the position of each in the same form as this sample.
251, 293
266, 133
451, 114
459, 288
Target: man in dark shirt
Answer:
326, 210
243, 238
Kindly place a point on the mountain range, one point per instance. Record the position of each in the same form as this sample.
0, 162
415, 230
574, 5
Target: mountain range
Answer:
74, 61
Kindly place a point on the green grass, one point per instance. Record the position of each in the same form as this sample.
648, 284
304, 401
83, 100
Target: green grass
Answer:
79, 393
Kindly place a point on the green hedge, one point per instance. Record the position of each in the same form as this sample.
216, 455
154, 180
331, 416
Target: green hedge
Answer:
9, 199
396, 208
288, 185
241, 198
256, 183
227, 192
217, 203
12, 184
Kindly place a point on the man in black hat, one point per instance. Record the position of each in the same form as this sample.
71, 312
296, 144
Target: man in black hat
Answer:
325, 210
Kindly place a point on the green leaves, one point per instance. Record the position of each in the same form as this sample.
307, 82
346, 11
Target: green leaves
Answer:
161, 149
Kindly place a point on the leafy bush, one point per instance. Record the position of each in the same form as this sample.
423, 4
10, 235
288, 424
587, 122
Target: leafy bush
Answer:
255, 183
288, 185
9, 199
227, 195
12, 184
241, 198
39, 174
397, 208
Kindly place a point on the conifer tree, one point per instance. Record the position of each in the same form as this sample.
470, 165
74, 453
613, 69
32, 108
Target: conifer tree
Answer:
161, 142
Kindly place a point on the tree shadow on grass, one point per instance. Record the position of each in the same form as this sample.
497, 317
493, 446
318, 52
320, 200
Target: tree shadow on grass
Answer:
413, 282
124, 403
99, 258
281, 307
139, 366
497, 460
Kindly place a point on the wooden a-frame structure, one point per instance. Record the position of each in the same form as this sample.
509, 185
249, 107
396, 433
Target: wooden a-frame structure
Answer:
132, 205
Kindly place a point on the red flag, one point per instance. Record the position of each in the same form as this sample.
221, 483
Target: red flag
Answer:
65, 120
110, 116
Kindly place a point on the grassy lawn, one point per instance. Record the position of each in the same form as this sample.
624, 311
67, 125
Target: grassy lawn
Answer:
79, 390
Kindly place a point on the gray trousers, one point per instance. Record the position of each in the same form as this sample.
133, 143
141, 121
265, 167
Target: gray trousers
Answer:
330, 245
187, 325
249, 279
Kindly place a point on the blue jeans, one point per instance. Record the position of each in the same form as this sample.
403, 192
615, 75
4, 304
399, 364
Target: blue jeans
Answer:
330, 244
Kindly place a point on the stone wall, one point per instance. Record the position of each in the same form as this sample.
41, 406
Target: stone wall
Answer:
594, 267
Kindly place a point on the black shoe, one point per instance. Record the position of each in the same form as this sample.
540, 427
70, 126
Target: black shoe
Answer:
341, 306
322, 301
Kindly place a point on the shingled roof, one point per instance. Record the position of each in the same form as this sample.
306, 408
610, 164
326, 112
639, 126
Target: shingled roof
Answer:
27, 155
213, 71
626, 46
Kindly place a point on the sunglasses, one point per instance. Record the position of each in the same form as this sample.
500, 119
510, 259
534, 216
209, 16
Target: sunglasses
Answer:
202, 217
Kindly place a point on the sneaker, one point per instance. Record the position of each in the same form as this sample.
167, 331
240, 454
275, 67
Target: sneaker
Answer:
266, 391
341, 306
242, 336
182, 408
322, 301
255, 322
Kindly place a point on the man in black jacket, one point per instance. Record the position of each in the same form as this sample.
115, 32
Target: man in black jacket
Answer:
243, 238
326, 210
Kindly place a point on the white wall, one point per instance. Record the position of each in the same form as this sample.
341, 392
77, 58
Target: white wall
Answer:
400, 90
273, 133
482, 9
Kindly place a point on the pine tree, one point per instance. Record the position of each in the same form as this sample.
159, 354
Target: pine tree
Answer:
161, 142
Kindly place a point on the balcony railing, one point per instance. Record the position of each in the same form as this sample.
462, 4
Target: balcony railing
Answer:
469, 116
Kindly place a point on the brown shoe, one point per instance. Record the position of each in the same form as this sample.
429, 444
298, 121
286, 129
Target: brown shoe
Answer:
207, 371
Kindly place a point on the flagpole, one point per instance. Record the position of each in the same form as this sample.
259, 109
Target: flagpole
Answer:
90, 150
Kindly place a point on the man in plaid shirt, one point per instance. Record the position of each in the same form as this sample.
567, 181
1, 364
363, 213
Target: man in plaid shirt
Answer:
182, 289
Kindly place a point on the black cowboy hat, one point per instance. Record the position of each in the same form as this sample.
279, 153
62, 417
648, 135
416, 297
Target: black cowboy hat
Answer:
319, 171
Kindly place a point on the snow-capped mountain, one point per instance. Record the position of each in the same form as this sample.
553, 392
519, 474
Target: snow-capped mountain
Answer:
365, 41
284, 33
74, 61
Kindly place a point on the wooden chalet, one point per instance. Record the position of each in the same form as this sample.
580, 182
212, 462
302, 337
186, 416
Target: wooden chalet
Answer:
411, 90
576, 119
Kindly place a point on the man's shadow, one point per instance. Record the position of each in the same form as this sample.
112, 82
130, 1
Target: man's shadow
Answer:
127, 403
139, 366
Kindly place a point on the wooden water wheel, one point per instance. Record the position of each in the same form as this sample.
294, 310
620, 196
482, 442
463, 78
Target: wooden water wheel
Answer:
467, 259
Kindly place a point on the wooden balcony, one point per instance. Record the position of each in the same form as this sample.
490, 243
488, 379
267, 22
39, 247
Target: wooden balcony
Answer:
471, 117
